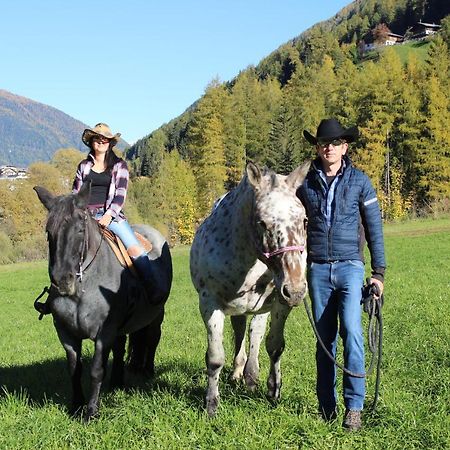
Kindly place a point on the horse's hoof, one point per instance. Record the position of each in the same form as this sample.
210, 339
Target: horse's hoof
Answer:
251, 383
90, 414
211, 406
273, 394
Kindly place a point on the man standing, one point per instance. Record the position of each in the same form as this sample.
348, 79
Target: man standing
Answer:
342, 209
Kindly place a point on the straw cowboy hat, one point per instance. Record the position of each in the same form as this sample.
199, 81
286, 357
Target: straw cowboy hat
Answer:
330, 129
100, 129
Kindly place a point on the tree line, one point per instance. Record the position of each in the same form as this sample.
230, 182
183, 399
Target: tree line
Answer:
402, 110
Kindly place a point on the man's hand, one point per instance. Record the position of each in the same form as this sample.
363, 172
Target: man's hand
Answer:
105, 220
379, 285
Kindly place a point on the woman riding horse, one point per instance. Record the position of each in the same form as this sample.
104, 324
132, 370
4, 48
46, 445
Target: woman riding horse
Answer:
108, 175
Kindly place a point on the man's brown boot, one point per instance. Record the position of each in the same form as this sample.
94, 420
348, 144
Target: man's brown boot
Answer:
352, 420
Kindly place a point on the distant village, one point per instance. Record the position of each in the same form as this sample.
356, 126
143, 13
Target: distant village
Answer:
12, 173
382, 36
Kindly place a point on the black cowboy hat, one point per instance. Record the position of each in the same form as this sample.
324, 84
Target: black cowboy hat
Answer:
330, 129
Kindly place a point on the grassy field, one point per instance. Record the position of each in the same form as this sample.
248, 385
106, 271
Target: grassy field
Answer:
419, 49
414, 405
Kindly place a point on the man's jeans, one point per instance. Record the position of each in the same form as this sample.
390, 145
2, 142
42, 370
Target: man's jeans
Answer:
335, 290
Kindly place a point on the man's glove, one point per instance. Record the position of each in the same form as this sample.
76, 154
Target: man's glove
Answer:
368, 292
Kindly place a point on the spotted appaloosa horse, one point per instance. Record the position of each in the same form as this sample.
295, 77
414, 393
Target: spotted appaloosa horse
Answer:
249, 257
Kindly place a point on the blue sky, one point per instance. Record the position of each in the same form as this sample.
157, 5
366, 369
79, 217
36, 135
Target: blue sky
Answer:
137, 64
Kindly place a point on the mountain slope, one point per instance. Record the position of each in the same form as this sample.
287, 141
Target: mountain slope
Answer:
339, 34
31, 131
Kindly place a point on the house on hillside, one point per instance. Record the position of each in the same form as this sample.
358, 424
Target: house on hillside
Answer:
382, 36
370, 44
392, 39
12, 172
421, 30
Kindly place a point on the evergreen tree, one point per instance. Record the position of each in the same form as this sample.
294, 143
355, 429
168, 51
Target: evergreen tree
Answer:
207, 146
406, 136
151, 152
281, 156
259, 100
435, 154
378, 110
234, 139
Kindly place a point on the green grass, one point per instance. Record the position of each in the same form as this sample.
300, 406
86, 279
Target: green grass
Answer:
414, 405
419, 49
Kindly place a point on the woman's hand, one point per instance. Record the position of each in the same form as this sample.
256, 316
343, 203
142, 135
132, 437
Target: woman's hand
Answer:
105, 220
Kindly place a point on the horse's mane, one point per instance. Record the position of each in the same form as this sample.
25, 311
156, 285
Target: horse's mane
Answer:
62, 211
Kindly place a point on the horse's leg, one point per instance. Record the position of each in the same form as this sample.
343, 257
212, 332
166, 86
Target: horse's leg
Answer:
118, 364
142, 346
275, 347
239, 324
72, 346
214, 319
153, 337
98, 372
256, 333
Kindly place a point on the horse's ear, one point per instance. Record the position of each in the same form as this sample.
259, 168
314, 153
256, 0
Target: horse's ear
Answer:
82, 198
295, 178
253, 174
45, 196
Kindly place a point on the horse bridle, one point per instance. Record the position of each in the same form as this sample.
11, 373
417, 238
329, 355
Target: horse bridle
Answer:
278, 251
289, 248
84, 248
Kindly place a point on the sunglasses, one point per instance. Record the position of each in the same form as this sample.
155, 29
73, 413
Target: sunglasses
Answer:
334, 143
101, 139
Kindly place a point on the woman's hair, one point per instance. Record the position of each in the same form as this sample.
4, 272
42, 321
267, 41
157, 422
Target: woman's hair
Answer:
110, 158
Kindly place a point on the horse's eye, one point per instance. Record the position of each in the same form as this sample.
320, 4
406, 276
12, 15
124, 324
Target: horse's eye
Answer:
261, 225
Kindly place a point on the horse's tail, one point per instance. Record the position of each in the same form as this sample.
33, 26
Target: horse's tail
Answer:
142, 346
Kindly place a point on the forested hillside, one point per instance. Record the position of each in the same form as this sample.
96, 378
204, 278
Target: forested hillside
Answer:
31, 131
400, 100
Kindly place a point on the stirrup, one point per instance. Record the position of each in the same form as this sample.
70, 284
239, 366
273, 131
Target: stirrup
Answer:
42, 308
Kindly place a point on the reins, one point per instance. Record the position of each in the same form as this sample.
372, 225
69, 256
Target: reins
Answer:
373, 307
85, 246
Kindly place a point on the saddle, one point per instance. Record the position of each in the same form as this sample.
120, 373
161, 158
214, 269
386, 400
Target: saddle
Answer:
121, 252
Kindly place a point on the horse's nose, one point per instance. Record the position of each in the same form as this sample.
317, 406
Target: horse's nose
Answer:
292, 296
65, 283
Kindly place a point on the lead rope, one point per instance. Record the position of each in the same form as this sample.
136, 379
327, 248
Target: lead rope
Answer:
373, 307
375, 340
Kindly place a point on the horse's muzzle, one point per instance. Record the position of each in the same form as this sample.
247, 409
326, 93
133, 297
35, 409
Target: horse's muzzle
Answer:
65, 286
293, 297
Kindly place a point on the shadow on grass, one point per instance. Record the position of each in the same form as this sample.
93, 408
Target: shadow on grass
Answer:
49, 381
42, 382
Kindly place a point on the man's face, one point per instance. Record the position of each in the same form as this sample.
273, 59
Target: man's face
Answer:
331, 152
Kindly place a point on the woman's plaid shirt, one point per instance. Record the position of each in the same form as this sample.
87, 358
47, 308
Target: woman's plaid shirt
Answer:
117, 192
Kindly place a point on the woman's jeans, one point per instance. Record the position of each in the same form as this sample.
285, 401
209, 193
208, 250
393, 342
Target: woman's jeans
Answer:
335, 291
121, 229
